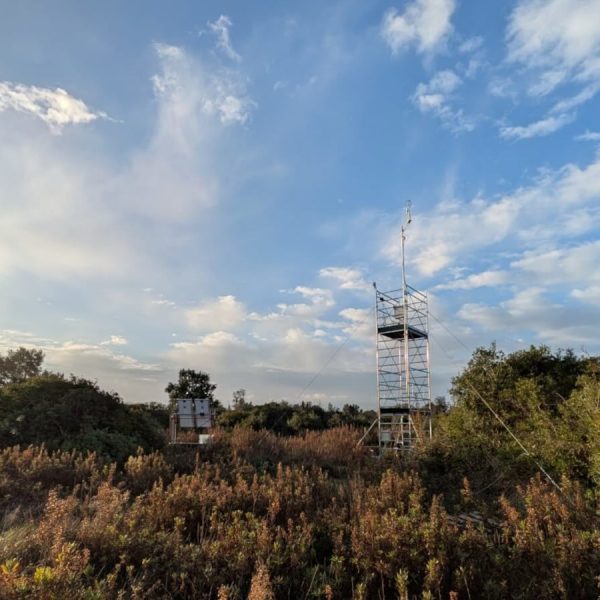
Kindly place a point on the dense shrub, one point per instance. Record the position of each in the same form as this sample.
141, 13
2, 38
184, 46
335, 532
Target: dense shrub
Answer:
231, 529
75, 414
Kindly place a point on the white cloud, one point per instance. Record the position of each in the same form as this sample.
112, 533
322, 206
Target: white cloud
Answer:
436, 240
543, 127
318, 295
553, 34
589, 294
115, 340
530, 310
222, 94
424, 24
435, 98
320, 300
293, 351
220, 28
558, 205
525, 310
62, 355
477, 280
55, 107
588, 136
471, 44
280, 351
230, 103
224, 313
163, 302
569, 103
444, 82
74, 213
214, 340
130, 376
558, 40
348, 278
182, 161
362, 323
579, 264
502, 87
53, 224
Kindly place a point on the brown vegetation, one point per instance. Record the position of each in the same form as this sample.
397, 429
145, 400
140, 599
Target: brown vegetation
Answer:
263, 517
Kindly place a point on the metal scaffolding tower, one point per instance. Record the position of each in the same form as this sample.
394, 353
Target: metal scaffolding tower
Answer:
403, 374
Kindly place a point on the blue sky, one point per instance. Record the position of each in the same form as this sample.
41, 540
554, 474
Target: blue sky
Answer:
215, 185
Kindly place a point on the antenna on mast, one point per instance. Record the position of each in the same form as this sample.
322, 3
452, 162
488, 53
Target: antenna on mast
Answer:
407, 221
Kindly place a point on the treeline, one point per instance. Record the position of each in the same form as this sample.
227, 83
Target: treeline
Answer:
71, 413
292, 419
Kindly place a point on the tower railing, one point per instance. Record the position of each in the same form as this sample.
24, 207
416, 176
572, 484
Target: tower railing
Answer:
403, 376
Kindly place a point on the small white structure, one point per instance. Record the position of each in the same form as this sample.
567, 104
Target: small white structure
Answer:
202, 413
185, 413
191, 413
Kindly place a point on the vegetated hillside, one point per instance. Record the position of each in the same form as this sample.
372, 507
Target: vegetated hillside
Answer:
72, 413
259, 515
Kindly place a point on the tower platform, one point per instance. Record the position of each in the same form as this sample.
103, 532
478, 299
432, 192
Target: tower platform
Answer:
396, 332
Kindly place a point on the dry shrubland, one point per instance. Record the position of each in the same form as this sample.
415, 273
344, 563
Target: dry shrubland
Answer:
259, 516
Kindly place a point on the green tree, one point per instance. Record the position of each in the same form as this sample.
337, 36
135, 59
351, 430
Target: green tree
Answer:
534, 392
20, 364
76, 414
495, 375
239, 400
192, 384
307, 416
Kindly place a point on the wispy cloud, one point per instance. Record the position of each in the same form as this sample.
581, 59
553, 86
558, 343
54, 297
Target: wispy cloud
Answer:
115, 340
555, 44
425, 24
70, 354
444, 235
471, 45
348, 278
558, 36
56, 107
435, 98
539, 128
476, 280
559, 40
221, 28
588, 136
219, 93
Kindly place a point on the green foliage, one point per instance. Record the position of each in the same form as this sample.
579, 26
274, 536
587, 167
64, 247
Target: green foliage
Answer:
292, 419
20, 364
158, 412
495, 376
74, 414
192, 384
548, 400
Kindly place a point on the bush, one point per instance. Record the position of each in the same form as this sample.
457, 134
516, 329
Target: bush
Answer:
74, 414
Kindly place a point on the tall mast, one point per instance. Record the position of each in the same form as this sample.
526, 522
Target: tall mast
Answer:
405, 224
402, 355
